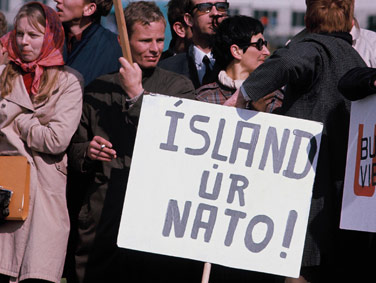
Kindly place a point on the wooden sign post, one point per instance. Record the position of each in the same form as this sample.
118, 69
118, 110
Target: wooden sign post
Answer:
122, 28
206, 273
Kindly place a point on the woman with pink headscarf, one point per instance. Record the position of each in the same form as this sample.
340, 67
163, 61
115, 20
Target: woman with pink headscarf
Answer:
40, 108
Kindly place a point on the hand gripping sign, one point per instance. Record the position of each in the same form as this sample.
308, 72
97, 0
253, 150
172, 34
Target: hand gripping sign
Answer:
221, 185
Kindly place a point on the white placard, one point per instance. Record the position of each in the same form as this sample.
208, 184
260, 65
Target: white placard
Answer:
359, 199
221, 185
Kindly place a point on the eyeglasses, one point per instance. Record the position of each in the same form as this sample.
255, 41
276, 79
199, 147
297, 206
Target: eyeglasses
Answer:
259, 44
206, 8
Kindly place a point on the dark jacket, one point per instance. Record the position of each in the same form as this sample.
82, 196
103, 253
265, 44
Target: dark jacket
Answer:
106, 113
184, 64
311, 68
96, 54
358, 83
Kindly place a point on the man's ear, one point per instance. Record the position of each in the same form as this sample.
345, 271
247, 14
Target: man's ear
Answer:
236, 52
179, 29
188, 19
89, 9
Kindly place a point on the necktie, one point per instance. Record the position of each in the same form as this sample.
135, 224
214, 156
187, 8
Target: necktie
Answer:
206, 78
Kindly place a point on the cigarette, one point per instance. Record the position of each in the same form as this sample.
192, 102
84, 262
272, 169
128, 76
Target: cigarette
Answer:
272, 105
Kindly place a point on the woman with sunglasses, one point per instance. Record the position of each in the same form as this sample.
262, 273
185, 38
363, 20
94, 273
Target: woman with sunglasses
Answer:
40, 108
239, 48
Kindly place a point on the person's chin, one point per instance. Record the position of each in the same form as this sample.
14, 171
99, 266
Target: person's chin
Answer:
150, 64
27, 60
65, 18
27, 57
61, 15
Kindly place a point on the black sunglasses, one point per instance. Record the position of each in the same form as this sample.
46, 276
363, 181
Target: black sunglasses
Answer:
258, 44
205, 8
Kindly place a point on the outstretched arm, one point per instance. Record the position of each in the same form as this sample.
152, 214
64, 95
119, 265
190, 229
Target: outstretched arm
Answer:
358, 83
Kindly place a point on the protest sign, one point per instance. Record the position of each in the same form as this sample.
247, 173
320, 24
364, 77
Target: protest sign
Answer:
359, 199
220, 184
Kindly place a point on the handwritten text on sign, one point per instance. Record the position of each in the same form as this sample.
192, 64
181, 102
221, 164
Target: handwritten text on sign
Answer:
359, 199
220, 185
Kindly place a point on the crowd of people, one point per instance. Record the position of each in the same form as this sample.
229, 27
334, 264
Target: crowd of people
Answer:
70, 103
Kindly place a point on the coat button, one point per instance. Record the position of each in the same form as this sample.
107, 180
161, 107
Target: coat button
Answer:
3, 105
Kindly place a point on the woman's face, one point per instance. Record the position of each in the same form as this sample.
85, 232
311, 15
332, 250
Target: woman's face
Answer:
252, 57
29, 39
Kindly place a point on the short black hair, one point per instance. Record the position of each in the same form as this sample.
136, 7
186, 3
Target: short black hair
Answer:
176, 10
175, 13
233, 30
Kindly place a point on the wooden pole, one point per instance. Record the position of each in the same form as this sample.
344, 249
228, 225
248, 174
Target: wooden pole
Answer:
206, 273
122, 28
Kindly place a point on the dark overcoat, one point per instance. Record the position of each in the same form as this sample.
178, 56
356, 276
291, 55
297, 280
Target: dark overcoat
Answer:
310, 68
358, 83
106, 113
96, 54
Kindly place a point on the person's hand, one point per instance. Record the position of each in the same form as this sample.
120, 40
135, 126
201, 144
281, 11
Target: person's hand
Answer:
100, 149
263, 102
130, 78
217, 19
236, 100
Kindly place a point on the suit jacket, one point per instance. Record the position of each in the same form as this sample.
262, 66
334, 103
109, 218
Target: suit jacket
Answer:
184, 64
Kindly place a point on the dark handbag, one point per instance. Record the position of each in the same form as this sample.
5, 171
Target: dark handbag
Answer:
5, 196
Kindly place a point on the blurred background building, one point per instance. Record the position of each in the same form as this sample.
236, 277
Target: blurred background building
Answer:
282, 18
285, 18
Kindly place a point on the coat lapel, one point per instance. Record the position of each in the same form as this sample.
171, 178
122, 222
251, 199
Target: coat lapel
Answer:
20, 95
193, 75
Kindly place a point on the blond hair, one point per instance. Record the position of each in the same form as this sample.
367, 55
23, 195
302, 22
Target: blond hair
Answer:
35, 16
47, 85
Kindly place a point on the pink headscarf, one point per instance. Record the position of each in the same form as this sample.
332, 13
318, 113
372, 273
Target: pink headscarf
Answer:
52, 50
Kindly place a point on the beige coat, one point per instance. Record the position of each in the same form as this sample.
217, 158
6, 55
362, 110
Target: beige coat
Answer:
36, 247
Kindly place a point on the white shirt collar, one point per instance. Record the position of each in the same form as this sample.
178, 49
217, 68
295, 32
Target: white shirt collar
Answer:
355, 32
198, 55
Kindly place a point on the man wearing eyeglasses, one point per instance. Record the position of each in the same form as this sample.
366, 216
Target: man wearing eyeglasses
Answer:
198, 63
